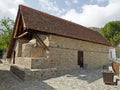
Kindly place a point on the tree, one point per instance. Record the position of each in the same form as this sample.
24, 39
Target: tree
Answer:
6, 27
111, 31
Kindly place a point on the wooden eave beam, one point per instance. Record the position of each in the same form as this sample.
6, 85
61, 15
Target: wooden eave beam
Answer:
40, 41
23, 21
20, 28
20, 23
12, 41
22, 35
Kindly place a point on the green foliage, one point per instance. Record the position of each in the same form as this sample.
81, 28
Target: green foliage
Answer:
6, 27
111, 31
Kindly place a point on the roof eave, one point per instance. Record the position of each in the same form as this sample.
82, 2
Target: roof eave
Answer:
13, 38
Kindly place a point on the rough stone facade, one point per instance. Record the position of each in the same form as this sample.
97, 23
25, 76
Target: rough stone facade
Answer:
29, 50
62, 55
62, 52
65, 52
18, 47
23, 62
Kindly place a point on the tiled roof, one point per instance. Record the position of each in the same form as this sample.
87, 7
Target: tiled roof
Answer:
40, 21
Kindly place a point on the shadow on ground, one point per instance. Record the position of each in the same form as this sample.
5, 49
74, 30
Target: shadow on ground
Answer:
87, 75
8, 81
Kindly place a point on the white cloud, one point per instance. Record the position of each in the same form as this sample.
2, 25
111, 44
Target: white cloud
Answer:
50, 6
68, 3
94, 15
75, 1
46, 4
113, 1
8, 8
99, 1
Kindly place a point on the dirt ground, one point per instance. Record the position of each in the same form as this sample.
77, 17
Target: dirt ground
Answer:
81, 80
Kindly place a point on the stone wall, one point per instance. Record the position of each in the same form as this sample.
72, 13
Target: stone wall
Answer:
33, 63
95, 59
42, 63
25, 48
18, 49
74, 44
23, 62
62, 57
64, 52
18, 46
29, 50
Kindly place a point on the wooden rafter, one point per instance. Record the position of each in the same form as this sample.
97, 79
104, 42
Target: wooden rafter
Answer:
22, 35
16, 26
23, 21
20, 28
40, 41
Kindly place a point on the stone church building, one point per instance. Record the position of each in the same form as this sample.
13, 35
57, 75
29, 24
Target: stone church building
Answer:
48, 45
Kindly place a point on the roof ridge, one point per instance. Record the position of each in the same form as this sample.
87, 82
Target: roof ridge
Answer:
53, 16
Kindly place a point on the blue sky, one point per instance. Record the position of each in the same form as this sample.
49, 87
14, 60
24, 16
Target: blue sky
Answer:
90, 13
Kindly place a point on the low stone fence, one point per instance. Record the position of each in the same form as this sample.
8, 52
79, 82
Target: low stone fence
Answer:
39, 74
43, 73
18, 71
32, 74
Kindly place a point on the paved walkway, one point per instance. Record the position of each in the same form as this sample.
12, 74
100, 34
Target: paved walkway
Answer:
81, 80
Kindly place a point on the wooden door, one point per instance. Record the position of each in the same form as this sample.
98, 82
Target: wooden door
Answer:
80, 59
14, 57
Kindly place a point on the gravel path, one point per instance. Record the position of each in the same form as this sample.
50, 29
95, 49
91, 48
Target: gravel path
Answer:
81, 80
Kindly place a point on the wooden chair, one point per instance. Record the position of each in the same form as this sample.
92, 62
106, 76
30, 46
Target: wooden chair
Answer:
115, 68
108, 76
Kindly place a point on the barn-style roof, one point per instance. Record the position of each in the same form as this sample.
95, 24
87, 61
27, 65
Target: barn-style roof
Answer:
34, 20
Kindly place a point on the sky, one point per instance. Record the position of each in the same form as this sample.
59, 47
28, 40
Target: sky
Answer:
89, 13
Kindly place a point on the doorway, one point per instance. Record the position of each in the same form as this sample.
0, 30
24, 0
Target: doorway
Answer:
80, 59
14, 57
